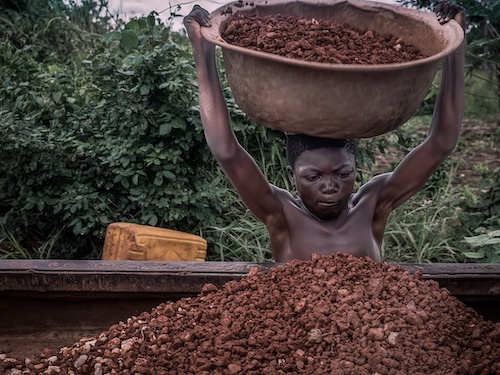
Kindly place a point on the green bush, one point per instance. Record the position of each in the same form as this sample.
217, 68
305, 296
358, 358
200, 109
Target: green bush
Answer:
111, 136
481, 217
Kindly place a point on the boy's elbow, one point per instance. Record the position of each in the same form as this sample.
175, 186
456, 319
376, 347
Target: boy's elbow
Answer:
444, 145
446, 138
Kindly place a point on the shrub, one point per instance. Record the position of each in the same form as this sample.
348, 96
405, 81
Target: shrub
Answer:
113, 136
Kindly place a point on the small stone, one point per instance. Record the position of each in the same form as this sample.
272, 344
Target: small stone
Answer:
476, 333
343, 292
315, 335
414, 319
234, 368
411, 305
80, 361
300, 306
187, 337
126, 345
253, 271
98, 369
376, 334
208, 288
169, 310
52, 370
392, 338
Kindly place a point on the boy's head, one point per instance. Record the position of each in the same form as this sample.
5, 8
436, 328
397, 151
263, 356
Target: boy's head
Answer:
323, 171
296, 144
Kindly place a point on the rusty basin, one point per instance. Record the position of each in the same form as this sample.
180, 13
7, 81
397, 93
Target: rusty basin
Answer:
52, 304
334, 100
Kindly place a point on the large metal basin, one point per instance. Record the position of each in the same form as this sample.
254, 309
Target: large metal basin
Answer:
335, 100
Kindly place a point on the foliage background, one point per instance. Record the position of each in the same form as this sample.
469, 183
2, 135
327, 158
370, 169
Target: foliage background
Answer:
99, 123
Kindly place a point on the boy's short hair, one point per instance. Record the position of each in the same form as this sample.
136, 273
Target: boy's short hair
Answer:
296, 144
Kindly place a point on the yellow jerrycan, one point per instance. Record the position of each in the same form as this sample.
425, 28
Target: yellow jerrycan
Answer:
128, 241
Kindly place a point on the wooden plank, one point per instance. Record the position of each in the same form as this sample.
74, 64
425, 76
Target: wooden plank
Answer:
83, 276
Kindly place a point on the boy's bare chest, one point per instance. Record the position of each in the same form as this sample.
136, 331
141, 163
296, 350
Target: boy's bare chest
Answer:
351, 232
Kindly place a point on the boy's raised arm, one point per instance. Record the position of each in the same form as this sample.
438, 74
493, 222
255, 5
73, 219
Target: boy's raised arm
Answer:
253, 188
415, 169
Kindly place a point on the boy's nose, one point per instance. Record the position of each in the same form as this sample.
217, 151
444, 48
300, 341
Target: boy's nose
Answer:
330, 186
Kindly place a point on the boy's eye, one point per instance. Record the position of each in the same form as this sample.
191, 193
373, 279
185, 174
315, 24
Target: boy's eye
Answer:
344, 174
312, 178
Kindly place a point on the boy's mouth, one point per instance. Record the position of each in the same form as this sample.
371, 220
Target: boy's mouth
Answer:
327, 204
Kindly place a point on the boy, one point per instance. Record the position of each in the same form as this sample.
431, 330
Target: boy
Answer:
327, 217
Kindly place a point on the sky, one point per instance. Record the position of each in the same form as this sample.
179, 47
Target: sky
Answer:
135, 8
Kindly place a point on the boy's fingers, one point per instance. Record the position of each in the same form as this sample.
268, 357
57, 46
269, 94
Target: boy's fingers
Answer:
446, 11
199, 15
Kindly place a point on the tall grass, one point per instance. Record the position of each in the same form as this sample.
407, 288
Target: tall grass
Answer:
426, 228
11, 248
243, 239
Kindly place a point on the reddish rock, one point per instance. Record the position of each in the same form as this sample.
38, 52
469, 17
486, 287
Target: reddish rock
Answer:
244, 328
315, 40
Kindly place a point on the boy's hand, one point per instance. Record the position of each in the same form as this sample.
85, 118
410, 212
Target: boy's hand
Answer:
196, 18
446, 11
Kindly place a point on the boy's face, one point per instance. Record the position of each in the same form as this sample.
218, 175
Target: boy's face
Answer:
325, 179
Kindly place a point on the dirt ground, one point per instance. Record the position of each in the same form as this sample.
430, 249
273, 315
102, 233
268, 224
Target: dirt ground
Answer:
477, 153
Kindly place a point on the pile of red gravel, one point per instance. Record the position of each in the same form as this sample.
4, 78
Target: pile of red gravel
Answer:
315, 40
334, 314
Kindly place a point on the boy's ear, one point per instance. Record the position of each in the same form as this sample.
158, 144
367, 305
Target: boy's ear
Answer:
291, 176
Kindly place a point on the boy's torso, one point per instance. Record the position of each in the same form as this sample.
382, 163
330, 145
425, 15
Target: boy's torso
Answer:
296, 233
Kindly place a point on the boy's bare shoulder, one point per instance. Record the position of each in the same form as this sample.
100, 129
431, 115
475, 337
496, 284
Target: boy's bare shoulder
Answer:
372, 188
282, 194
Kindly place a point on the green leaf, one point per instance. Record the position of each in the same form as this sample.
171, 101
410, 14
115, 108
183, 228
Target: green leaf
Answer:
37, 99
77, 228
112, 36
128, 39
40, 205
151, 20
158, 179
178, 123
125, 161
169, 175
133, 59
479, 255
125, 183
126, 72
133, 25
142, 24
56, 96
153, 220
165, 129
51, 201
144, 90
